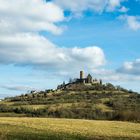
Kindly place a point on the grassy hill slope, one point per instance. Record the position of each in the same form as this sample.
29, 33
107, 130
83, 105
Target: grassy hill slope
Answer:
101, 104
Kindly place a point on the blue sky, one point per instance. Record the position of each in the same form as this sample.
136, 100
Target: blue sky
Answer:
52, 41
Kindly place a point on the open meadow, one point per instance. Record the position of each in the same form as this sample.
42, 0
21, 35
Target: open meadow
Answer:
66, 129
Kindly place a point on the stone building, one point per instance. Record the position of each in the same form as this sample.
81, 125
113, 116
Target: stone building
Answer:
88, 80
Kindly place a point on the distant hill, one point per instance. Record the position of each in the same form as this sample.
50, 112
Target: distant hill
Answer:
77, 99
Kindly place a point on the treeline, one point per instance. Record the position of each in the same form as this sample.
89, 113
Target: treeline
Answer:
88, 112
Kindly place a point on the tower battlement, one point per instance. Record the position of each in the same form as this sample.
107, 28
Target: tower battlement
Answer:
81, 74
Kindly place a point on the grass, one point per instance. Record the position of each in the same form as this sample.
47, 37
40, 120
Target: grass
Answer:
103, 107
33, 106
66, 129
11, 114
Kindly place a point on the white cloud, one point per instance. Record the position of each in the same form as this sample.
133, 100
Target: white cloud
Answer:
29, 16
21, 44
132, 67
31, 49
89, 55
79, 6
123, 9
17, 88
115, 76
112, 4
133, 22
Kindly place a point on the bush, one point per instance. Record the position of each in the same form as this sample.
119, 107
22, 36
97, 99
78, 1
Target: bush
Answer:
127, 116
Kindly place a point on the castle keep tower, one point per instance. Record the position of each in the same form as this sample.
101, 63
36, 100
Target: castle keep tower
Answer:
81, 75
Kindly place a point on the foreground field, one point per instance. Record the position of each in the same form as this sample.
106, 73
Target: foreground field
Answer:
66, 129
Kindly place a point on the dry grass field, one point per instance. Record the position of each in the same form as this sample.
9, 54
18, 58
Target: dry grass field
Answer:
66, 129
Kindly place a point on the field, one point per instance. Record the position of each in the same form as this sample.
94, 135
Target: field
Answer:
66, 129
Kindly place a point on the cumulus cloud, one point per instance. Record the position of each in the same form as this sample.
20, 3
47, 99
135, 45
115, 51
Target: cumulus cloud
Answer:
22, 44
132, 67
29, 16
31, 49
79, 6
133, 22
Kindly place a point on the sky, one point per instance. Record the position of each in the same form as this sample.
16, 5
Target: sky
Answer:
43, 43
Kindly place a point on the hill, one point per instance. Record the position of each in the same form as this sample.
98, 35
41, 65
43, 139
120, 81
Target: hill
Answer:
83, 98
87, 104
66, 129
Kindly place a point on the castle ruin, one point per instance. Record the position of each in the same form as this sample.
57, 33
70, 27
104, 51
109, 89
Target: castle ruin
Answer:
81, 82
87, 80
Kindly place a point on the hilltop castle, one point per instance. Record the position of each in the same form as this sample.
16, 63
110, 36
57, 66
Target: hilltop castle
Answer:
87, 80
81, 82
